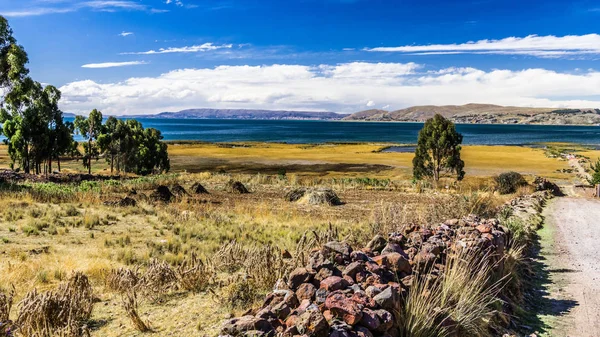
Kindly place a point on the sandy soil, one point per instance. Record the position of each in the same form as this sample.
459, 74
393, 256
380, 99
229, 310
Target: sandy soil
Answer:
575, 262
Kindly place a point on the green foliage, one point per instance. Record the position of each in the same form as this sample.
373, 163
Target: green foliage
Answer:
438, 150
509, 182
89, 128
131, 148
31, 120
595, 172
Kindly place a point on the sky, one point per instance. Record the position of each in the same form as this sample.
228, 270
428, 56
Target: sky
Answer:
150, 56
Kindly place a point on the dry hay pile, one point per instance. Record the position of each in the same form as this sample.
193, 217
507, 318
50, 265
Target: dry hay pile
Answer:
197, 188
314, 196
179, 191
162, 193
63, 311
6, 301
237, 187
125, 202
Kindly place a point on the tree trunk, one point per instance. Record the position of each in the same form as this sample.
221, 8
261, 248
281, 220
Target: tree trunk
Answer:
90, 155
58, 162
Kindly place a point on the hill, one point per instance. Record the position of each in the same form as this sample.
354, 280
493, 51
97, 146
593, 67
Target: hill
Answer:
245, 114
484, 114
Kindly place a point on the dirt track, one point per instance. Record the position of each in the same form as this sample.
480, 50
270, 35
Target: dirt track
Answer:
575, 262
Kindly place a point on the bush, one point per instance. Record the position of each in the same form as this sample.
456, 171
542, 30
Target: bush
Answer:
509, 182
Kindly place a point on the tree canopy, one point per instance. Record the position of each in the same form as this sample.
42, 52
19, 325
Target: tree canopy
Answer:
438, 150
36, 133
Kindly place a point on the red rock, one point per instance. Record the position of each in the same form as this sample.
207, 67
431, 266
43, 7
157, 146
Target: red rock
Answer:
363, 299
306, 291
343, 307
299, 276
363, 332
485, 228
398, 263
334, 283
353, 268
291, 320
328, 315
312, 323
370, 320
349, 279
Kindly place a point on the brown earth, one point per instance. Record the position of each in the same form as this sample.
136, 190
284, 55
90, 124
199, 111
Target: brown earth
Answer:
575, 264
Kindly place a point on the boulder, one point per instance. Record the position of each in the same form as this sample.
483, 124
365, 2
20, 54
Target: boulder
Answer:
299, 276
240, 326
344, 308
312, 323
342, 248
333, 283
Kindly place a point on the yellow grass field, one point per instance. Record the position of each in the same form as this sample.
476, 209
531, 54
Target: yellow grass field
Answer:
339, 159
479, 160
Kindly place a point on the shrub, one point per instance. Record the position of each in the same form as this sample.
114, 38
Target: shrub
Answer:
509, 182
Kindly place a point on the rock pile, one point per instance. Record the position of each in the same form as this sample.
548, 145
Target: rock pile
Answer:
347, 292
542, 184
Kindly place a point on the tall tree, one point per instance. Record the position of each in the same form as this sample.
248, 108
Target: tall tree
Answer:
438, 150
89, 128
110, 139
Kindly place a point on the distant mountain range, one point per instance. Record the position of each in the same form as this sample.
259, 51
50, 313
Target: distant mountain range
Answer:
484, 114
245, 114
468, 114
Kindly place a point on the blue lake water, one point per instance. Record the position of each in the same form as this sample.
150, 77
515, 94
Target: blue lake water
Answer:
292, 131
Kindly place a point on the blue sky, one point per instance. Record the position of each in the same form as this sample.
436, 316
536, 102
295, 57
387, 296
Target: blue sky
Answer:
148, 56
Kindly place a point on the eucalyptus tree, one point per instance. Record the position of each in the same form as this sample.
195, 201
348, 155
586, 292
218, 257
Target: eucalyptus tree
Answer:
90, 128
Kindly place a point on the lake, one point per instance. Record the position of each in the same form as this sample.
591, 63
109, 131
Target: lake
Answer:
295, 131
292, 131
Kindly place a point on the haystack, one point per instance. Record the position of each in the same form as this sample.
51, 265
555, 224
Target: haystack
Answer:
314, 196
197, 188
178, 191
162, 193
236, 187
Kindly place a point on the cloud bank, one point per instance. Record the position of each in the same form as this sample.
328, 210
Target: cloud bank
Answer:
113, 64
533, 45
209, 46
347, 87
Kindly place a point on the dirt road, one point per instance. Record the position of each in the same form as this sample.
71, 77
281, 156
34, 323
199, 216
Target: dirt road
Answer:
574, 263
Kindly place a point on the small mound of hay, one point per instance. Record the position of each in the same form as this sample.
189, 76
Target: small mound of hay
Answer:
162, 193
317, 196
127, 202
179, 191
197, 188
237, 187
295, 195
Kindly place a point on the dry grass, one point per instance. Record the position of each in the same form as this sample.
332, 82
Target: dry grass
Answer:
60, 312
458, 303
203, 250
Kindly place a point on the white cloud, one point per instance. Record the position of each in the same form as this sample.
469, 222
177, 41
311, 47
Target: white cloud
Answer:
73, 6
124, 34
176, 2
370, 103
341, 88
534, 45
209, 46
113, 64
